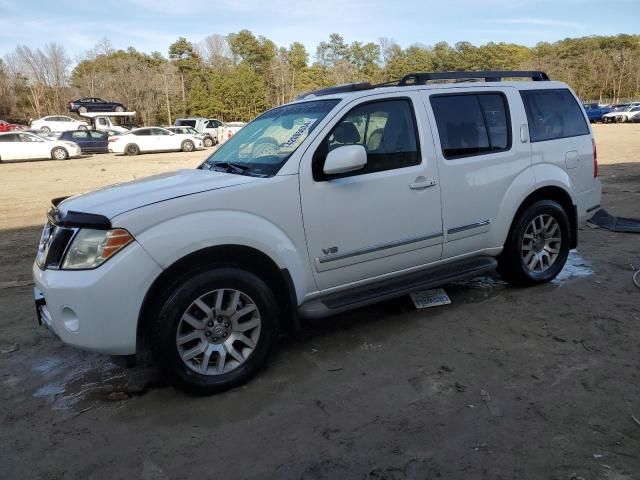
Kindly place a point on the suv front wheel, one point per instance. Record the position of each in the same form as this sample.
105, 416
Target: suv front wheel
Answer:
537, 246
215, 330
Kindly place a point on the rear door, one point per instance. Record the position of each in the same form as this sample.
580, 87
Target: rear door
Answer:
100, 141
31, 146
165, 140
9, 146
560, 134
480, 153
82, 138
144, 140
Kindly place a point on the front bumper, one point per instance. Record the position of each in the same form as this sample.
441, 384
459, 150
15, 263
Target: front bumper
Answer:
97, 309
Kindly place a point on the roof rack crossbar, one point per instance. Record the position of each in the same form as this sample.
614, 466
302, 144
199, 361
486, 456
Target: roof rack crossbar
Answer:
487, 75
348, 87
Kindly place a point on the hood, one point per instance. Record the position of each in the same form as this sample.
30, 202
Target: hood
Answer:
116, 199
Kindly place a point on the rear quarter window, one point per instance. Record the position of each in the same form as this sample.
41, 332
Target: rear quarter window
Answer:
186, 123
553, 114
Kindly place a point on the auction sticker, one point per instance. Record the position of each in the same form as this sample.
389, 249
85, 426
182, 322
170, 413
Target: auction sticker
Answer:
299, 132
430, 298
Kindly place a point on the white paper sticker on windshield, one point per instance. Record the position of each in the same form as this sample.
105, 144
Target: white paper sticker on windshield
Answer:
299, 132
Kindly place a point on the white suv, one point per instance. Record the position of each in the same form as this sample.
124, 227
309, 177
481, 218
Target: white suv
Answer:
348, 196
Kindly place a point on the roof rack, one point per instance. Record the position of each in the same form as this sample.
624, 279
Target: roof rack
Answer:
486, 75
422, 78
348, 87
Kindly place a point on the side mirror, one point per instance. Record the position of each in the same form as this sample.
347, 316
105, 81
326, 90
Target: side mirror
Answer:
345, 159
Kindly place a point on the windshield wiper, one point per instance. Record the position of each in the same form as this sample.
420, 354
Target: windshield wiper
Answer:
230, 166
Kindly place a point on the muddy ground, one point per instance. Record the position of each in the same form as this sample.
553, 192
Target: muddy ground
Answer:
504, 383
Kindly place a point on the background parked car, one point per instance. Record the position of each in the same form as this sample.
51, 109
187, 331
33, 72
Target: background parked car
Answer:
209, 127
625, 114
9, 127
152, 139
190, 131
228, 130
27, 146
93, 104
58, 123
595, 111
90, 141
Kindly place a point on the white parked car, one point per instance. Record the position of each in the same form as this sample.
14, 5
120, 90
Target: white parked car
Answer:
625, 114
152, 139
29, 146
374, 192
189, 131
58, 123
228, 130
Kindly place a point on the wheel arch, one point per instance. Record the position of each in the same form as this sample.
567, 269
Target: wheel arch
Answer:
249, 258
557, 194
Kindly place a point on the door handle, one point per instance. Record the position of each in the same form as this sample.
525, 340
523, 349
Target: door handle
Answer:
422, 183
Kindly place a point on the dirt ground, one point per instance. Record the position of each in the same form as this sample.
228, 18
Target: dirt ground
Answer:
504, 383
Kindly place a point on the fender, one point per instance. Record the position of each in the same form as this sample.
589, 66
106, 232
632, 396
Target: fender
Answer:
528, 181
175, 238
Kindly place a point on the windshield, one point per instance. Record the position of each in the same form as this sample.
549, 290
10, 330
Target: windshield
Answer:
263, 146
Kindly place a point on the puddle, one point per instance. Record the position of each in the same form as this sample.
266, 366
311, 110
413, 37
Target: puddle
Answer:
71, 380
576, 267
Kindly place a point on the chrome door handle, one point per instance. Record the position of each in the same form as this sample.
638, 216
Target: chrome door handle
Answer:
422, 184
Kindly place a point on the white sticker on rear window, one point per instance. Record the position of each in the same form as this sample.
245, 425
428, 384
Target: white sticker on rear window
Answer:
298, 133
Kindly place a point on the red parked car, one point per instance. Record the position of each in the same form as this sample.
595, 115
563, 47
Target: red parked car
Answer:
8, 127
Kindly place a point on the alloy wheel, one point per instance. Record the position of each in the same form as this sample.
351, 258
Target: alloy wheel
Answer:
218, 331
541, 243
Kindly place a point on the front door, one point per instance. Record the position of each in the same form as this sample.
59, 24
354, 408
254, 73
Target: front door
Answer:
385, 217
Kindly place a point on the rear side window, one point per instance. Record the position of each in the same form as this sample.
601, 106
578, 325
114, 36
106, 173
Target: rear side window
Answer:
472, 124
11, 137
553, 114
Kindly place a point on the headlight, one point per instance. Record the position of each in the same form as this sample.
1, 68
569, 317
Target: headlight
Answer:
91, 248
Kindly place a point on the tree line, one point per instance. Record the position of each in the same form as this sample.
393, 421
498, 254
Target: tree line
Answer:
237, 76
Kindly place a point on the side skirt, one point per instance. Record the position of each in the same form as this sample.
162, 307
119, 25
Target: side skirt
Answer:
384, 290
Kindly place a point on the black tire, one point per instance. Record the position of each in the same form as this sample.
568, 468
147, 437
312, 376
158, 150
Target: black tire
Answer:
119, 108
164, 329
131, 149
59, 153
46, 129
511, 264
82, 109
208, 142
82, 127
187, 146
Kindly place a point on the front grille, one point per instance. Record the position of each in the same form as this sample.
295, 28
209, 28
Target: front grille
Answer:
53, 245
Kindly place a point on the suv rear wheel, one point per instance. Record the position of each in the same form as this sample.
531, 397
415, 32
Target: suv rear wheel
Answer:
214, 330
537, 246
132, 149
208, 142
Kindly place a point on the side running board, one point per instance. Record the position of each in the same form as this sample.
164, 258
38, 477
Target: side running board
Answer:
396, 287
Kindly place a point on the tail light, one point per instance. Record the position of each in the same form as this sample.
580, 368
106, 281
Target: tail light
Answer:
113, 139
595, 158
229, 134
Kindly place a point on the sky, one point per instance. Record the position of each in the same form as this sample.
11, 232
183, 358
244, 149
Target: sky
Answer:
152, 25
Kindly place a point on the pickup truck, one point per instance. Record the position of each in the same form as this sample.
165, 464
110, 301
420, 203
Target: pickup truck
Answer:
596, 112
209, 127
